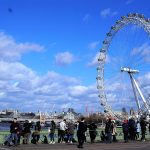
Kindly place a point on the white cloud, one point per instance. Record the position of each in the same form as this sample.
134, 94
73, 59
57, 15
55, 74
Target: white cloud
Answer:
2, 94
23, 89
144, 83
11, 50
129, 2
15, 71
78, 90
53, 44
93, 45
105, 12
94, 61
143, 50
86, 18
64, 58
108, 13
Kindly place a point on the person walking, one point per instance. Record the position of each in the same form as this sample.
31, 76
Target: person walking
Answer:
82, 128
36, 134
138, 129
108, 131
62, 131
132, 129
125, 128
143, 128
26, 132
92, 132
114, 131
71, 128
52, 132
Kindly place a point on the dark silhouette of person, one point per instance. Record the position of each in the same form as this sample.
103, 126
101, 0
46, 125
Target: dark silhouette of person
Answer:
36, 133
52, 132
14, 130
132, 128
82, 128
92, 131
149, 128
125, 128
103, 138
26, 132
109, 130
143, 128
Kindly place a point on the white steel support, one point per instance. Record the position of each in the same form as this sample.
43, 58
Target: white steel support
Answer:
135, 93
143, 99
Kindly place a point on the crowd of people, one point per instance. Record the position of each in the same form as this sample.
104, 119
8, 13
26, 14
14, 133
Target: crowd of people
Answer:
131, 129
67, 131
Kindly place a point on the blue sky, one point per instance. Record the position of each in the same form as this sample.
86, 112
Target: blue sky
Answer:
48, 49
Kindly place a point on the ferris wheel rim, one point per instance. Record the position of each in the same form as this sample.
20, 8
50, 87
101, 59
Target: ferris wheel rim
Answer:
132, 18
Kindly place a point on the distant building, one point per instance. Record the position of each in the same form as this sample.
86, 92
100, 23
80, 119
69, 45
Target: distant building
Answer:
70, 116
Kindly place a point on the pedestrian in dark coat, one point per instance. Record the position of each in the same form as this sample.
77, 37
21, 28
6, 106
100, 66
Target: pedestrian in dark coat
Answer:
125, 128
36, 133
143, 128
92, 131
26, 132
82, 128
108, 131
52, 132
14, 130
149, 128
132, 128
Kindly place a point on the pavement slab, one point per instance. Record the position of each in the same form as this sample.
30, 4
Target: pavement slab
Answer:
87, 146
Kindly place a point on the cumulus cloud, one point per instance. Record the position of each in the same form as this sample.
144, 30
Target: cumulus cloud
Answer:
14, 71
108, 13
94, 61
78, 90
86, 18
129, 2
12, 50
30, 92
143, 51
22, 88
64, 58
144, 83
93, 45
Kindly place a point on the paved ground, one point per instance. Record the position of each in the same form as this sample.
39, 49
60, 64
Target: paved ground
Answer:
87, 146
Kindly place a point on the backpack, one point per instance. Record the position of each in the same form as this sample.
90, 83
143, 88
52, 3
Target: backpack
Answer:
33, 141
45, 140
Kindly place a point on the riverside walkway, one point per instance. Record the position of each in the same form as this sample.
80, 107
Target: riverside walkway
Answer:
87, 146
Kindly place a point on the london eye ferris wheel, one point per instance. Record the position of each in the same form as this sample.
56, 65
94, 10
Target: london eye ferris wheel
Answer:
123, 72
